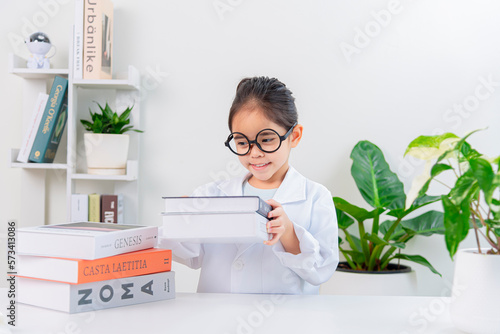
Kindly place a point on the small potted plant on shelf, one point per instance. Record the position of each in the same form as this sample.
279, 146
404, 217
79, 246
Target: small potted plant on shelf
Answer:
473, 202
378, 250
106, 145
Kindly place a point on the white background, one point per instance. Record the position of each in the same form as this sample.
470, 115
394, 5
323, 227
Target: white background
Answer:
412, 67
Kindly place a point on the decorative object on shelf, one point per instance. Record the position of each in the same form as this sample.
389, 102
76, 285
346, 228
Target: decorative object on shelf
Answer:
381, 188
106, 147
39, 45
473, 202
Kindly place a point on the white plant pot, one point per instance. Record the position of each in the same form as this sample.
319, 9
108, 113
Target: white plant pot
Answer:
106, 153
371, 284
475, 306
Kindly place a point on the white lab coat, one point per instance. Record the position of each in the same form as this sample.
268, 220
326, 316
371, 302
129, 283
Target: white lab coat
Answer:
259, 268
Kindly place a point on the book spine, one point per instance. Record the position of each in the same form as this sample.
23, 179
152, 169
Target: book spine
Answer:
125, 265
109, 209
127, 241
29, 137
79, 208
97, 25
78, 41
52, 124
121, 292
94, 208
97, 295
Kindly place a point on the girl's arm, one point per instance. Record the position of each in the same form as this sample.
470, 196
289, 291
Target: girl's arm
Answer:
282, 229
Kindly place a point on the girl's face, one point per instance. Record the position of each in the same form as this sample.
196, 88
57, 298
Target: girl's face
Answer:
268, 169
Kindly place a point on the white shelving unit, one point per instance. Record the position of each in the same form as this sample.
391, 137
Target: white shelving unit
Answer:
70, 158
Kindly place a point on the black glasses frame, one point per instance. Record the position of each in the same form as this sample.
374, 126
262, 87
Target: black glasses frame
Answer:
251, 142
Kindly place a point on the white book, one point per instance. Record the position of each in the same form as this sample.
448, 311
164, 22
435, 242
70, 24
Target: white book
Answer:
29, 136
247, 227
78, 41
86, 241
216, 204
79, 207
75, 298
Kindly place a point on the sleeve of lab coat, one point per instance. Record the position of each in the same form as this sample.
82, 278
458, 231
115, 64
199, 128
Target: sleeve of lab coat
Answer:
319, 254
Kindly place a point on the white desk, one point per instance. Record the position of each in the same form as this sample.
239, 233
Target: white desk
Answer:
231, 313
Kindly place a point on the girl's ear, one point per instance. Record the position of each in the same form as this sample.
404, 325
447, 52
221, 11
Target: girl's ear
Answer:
296, 134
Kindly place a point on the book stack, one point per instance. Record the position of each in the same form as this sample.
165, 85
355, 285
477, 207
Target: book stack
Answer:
93, 40
106, 208
231, 219
79, 267
47, 124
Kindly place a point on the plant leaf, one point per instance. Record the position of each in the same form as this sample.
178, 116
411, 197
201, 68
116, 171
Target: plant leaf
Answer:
428, 223
456, 222
483, 173
357, 213
398, 232
430, 147
343, 220
379, 186
417, 259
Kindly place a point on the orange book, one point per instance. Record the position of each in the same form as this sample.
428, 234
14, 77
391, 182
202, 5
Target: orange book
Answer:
77, 271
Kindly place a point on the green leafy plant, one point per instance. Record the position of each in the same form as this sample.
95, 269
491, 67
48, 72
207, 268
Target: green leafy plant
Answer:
473, 200
109, 121
384, 192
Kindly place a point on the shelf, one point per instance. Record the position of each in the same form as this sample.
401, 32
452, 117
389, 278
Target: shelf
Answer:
17, 65
32, 165
129, 81
130, 176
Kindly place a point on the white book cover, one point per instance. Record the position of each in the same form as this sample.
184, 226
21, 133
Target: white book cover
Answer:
86, 241
79, 207
215, 228
29, 136
216, 204
76, 298
78, 41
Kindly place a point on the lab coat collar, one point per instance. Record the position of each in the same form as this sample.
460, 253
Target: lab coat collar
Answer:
292, 189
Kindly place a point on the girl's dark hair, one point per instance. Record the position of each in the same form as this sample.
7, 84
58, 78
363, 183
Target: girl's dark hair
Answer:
271, 95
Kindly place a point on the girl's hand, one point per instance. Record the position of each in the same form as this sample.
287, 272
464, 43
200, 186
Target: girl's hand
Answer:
281, 228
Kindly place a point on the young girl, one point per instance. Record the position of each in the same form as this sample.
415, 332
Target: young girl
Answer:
303, 251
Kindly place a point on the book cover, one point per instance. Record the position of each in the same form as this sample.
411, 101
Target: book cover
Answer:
98, 40
112, 208
52, 125
76, 298
78, 41
246, 227
216, 204
77, 271
29, 136
95, 208
79, 207
86, 241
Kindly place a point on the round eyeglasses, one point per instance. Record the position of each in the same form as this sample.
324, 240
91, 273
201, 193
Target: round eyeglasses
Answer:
267, 140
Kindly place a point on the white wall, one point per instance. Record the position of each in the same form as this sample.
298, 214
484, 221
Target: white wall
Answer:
425, 58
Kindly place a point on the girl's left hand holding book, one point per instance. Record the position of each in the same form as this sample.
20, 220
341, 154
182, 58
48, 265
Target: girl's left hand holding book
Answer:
281, 228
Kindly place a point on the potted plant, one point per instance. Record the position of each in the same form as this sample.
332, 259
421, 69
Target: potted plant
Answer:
106, 145
473, 202
377, 250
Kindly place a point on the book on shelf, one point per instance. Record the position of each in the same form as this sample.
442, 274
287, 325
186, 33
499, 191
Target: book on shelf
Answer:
78, 271
98, 40
52, 124
216, 204
243, 227
79, 207
112, 208
75, 298
85, 240
29, 136
94, 208
78, 41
